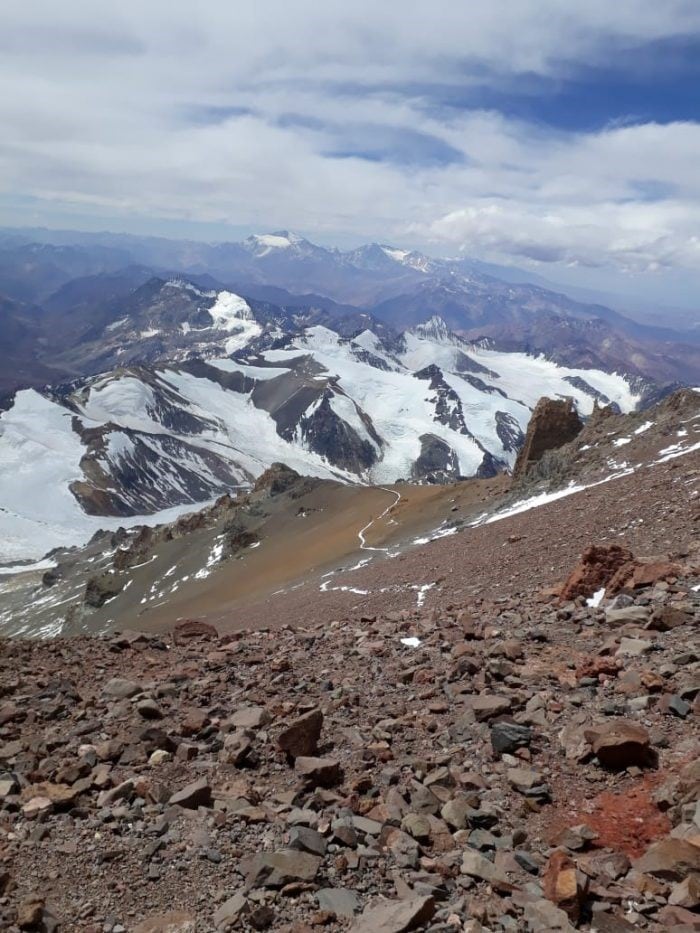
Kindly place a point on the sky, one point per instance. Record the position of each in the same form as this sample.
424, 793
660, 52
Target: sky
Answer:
558, 137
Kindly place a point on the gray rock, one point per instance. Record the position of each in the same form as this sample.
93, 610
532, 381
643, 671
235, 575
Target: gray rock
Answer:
231, 910
395, 916
121, 689
507, 737
275, 869
340, 901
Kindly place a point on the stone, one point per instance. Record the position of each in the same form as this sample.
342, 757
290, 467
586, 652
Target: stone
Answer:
508, 737
276, 869
553, 423
477, 866
596, 567
686, 893
250, 717
620, 744
670, 859
560, 884
197, 794
190, 629
339, 901
487, 706
319, 772
385, 916
231, 911
175, 921
544, 917
149, 709
121, 689
300, 738
666, 618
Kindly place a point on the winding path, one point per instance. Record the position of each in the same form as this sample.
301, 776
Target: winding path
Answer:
361, 533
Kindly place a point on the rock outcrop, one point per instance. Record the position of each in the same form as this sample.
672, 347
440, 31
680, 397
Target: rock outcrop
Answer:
554, 422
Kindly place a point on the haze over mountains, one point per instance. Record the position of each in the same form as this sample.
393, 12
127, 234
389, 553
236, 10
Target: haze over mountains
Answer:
78, 281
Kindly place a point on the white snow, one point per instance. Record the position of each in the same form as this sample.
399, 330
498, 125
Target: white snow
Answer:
621, 441
272, 241
644, 427
262, 373
398, 403
411, 642
149, 332
28, 568
232, 313
596, 599
398, 255
115, 325
40, 457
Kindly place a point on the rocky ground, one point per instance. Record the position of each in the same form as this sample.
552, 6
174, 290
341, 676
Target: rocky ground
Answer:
507, 762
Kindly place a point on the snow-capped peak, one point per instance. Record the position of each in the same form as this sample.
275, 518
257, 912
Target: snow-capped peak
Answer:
262, 244
407, 257
233, 314
435, 329
398, 255
229, 310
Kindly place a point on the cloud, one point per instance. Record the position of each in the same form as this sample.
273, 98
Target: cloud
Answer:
330, 118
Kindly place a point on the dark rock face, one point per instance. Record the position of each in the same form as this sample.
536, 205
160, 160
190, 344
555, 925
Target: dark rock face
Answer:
277, 479
437, 462
448, 406
509, 431
100, 589
336, 440
554, 423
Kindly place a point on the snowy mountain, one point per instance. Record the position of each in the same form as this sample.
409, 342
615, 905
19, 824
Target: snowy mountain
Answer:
203, 390
76, 284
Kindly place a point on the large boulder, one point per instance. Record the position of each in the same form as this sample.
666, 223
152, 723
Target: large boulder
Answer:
554, 422
597, 566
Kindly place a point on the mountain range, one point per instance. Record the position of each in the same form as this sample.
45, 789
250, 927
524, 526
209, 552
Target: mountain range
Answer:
144, 376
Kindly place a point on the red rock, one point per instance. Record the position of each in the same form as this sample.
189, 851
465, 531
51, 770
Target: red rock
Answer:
637, 574
596, 568
554, 422
619, 744
560, 884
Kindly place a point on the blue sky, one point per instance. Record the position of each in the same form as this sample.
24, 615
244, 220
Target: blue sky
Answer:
560, 137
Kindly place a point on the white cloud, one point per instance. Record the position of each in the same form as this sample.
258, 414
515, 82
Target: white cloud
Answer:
121, 107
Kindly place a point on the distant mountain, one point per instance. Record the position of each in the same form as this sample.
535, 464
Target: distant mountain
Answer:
82, 287
194, 392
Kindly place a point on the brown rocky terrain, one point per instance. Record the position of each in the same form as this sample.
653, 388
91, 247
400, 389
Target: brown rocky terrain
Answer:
506, 763
492, 727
